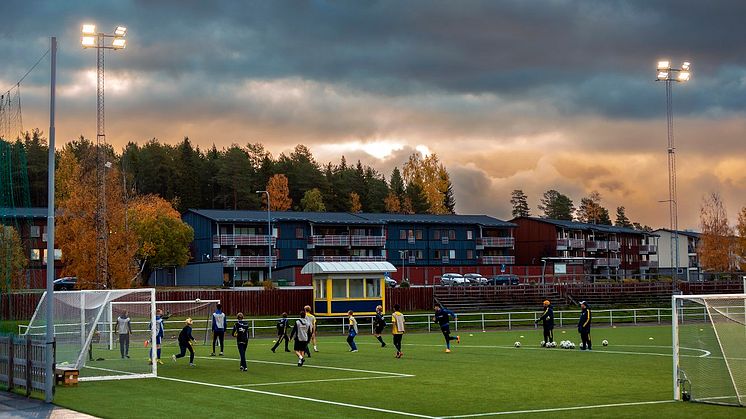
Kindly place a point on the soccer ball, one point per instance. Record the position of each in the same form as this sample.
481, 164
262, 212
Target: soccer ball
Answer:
572, 345
552, 345
197, 300
517, 344
605, 342
542, 343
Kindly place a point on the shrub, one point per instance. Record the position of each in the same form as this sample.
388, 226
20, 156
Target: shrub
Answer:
268, 285
404, 284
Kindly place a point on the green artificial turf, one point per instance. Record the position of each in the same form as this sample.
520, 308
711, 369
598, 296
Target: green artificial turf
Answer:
483, 374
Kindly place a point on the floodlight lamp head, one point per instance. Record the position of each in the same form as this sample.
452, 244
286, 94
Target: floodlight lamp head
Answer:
664, 65
89, 29
663, 75
120, 31
88, 41
119, 43
684, 76
686, 65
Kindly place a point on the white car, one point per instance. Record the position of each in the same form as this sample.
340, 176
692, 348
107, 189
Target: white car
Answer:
453, 279
476, 279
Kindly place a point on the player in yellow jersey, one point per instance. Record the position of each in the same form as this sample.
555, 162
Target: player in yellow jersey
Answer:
397, 329
312, 319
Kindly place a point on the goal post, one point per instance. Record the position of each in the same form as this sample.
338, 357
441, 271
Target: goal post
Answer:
709, 348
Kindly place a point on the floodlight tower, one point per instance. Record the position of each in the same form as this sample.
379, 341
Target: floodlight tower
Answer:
668, 75
100, 41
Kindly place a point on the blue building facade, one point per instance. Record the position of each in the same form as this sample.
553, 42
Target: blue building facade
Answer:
422, 247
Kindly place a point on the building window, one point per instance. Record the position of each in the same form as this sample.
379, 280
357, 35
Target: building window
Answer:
451, 254
436, 254
469, 235
452, 234
35, 254
357, 289
299, 233
402, 234
339, 288
419, 254
469, 254
372, 288
34, 231
418, 234
320, 288
436, 234
299, 254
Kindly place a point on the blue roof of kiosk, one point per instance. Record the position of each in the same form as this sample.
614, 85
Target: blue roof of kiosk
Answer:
575, 225
347, 217
33, 212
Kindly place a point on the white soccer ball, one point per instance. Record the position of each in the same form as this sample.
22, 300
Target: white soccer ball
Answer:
572, 345
517, 344
605, 342
542, 343
197, 300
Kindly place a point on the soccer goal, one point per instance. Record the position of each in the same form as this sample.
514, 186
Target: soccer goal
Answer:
80, 326
709, 348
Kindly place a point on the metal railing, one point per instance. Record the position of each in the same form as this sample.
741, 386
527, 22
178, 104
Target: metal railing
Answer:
367, 241
497, 260
243, 240
330, 240
496, 241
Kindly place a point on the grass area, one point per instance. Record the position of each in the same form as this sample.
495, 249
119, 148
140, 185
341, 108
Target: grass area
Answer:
483, 374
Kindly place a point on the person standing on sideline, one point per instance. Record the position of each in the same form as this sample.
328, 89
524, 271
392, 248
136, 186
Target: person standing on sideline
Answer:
282, 332
547, 320
218, 328
186, 341
584, 326
302, 333
442, 317
312, 320
378, 324
352, 331
397, 329
159, 318
124, 329
241, 333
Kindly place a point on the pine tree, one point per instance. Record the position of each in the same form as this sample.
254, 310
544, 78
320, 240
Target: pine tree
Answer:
621, 218
519, 201
556, 206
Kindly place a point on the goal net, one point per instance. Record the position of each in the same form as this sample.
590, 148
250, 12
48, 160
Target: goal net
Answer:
81, 325
709, 348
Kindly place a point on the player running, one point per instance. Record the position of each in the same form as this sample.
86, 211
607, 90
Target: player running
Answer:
442, 317
241, 333
302, 333
282, 332
547, 320
186, 341
584, 326
378, 324
397, 329
218, 329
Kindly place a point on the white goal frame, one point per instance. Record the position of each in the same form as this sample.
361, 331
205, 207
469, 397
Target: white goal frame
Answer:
676, 301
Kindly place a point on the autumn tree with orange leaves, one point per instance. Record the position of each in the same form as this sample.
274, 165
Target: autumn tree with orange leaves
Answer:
279, 193
716, 241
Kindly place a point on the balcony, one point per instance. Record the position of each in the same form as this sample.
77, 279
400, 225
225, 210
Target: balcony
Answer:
249, 261
348, 259
445, 260
596, 245
563, 244
242, 240
614, 246
497, 260
410, 240
577, 244
444, 240
495, 242
646, 249
607, 262
648, 264
367, 241
339, 240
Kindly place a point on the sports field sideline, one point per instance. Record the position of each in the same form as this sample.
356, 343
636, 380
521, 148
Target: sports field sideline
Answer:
484, 376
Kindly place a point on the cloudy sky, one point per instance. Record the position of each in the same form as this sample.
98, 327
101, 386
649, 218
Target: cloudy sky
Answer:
531, 95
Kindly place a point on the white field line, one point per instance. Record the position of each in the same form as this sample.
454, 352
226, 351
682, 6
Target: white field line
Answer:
292, 364
308, 399
314, 381
110, 370
557, 409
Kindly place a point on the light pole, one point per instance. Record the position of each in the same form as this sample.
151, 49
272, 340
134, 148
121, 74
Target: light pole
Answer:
668, 75
98, 40
403, 254
269, 235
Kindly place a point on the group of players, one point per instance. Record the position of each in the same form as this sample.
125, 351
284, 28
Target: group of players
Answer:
304, 332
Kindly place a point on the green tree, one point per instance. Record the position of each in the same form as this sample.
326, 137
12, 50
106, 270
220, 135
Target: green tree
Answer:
415, 201
188, 163
312, 201
376, 191
519, 201
37, 156
621, 218
556, 205
396, 184
234, 180
302, 171
13, 260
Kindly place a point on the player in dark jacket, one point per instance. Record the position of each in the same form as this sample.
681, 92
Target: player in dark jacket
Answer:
186, 340
584, 326
443, 318
378, 324
547, 320
282, 332
241, 333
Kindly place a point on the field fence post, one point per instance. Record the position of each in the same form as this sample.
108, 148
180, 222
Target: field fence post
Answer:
427, 320
456, 321
560, 319
634, 316
611, 317
659, 316
483, 322
253, 333
343, 325
510, 323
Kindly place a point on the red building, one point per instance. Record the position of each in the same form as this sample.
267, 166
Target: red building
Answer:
573, 248
31, 224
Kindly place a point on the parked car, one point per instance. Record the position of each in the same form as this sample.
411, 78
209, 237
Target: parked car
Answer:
453, 279
390, 282
476, 279
504, 279
65, 284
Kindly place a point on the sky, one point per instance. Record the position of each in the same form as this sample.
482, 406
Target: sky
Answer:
531, 95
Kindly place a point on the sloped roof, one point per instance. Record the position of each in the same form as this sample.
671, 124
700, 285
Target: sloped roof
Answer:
575, 225
347, 267
347, 217
688, 233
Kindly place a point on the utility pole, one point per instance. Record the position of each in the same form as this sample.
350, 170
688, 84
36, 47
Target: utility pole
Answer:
49, 348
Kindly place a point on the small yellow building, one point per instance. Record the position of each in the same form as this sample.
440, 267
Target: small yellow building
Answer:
342, 286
